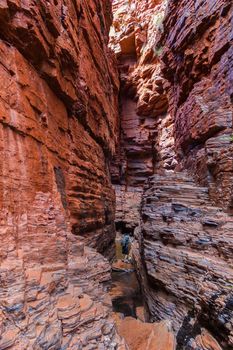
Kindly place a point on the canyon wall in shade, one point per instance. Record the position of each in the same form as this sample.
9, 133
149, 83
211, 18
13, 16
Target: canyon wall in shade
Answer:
196, 50
184, 259
175, 60
146, 131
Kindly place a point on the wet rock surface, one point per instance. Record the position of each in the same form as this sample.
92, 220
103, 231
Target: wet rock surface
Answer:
125, 290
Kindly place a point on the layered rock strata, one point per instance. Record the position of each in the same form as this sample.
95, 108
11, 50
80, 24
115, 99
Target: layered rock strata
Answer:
58, 123
146, 129
175, 60
59, 99
196, 50
185, 259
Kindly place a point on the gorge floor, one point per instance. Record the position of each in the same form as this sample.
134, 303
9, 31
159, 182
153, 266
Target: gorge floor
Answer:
127, 299
130, 313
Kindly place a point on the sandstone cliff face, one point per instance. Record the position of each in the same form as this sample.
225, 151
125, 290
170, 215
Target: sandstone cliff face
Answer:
196, 47
145, 145
186, 245
59, 95
58, 122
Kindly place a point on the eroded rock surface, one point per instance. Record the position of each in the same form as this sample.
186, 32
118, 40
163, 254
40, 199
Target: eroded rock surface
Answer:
58, 131
58, 122
197, 51
59, 100
186, 267
175, 60
146, 140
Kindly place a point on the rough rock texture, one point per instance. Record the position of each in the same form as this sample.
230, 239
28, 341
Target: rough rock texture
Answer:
145, 144
204, 341
197, 54
128, 201
175, 60
62, 109
57, 304
58, 122
187, 259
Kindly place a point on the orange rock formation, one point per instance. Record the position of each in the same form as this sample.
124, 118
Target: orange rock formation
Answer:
61, 135
58, 121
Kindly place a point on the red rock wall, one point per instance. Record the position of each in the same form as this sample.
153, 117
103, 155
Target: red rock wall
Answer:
185, 243
58, 123
143, 99
185, 260
144, 143
175, 59
197, 51
59, 95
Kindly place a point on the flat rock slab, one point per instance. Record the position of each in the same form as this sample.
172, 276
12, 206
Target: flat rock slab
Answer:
146, 336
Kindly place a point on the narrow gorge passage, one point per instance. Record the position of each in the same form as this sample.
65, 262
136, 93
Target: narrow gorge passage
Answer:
173, 168
116, 120
127, 299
